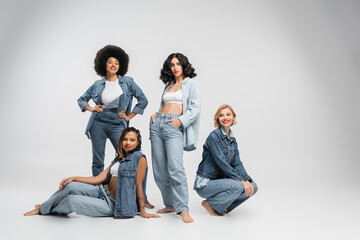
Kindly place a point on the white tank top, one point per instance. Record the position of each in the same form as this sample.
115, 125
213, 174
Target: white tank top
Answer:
173, 97
114, 169
111, 94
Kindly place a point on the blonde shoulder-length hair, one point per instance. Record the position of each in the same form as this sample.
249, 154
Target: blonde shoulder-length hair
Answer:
217, 114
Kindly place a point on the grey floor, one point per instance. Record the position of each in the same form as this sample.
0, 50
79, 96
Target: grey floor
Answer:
277, 211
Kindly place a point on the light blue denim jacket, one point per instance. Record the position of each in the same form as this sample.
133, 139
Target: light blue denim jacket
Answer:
221, 158
126, 204
190, 118
130, 89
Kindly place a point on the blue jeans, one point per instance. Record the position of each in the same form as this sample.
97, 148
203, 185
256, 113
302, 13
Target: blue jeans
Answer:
107, 124
167, 143
224, 194
81, 198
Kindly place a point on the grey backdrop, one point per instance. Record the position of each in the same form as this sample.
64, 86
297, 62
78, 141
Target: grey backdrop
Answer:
290, 69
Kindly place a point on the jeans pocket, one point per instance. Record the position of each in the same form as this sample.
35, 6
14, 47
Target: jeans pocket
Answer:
172, 125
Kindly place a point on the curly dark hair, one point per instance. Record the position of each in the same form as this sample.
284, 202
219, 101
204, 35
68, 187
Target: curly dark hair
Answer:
111, 51
120, 153
166, 75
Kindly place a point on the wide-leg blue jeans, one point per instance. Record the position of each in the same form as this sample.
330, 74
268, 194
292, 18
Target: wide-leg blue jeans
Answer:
167, 143
224, 194
81, 198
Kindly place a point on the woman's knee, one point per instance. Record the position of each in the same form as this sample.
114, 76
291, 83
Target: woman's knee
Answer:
74, 186
255, 187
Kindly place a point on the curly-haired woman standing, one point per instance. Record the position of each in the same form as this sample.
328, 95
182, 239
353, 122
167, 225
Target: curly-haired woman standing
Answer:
113, 97
174, 129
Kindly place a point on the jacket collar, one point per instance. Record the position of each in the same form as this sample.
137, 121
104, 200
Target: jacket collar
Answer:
224, 135
120, 79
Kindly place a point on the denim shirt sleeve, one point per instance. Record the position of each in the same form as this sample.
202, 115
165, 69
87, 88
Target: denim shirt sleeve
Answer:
220, 158
85, 98
194, 105
238, 165
142, 101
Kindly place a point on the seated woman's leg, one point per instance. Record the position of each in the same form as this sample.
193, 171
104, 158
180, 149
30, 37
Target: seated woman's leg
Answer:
100, 206
73, 188
221, 193
242, 198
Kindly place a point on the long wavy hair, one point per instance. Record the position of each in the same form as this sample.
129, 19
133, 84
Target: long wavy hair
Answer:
166, 75
120, 153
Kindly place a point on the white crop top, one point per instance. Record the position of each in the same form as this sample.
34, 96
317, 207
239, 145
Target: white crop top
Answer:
111, 94
173, 97
114, 169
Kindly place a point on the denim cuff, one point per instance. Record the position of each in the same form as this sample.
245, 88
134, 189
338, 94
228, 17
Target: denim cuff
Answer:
138, 110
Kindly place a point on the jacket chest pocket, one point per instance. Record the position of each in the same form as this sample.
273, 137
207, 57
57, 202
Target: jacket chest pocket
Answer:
128, 178
229, 153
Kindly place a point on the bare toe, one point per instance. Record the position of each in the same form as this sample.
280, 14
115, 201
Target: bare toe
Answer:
186, 217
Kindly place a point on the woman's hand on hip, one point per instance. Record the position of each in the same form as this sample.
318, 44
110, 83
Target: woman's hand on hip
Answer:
152, 118
249, 188
64, 182
97, 108
123, 115
176, 122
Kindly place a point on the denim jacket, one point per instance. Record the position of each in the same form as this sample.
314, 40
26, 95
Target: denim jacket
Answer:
190, 118
130, 89
221, 158
126, 204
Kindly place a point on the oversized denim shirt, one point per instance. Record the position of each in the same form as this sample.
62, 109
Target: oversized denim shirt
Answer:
190, 118
221, 158
130, 89
126, 204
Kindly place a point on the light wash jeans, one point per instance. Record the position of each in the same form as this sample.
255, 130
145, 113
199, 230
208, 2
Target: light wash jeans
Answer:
167, 143
81, 198
224, 194
107, 124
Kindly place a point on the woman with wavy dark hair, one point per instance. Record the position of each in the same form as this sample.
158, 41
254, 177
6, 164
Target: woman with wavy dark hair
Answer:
174, 129
113, 96
102, 195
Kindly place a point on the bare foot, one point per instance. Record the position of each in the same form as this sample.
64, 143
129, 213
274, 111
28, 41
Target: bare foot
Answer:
186, 217
148, 204
165, 210
209, 208
33, 212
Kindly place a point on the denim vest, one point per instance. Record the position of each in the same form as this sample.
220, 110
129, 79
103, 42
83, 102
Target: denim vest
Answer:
130, 89
221, 158
190, 118
126, 204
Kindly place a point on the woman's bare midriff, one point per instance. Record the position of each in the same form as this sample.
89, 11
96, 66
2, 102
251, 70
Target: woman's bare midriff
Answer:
111, 187
173, 108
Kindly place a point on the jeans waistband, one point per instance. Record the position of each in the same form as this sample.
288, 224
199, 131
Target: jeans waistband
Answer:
168, 115
115, 110
110, 196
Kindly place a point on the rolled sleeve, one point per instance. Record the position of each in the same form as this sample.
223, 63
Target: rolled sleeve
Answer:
85, 98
